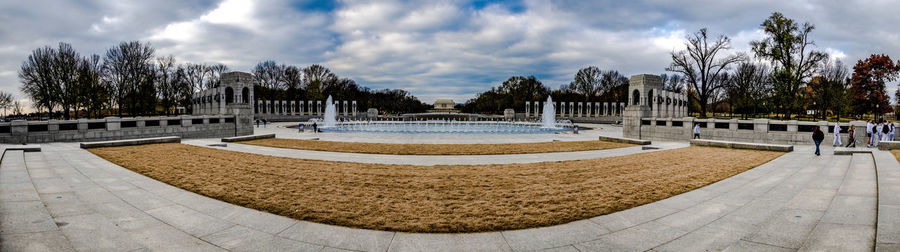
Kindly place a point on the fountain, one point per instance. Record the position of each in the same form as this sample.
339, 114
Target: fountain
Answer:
548, 119
329, 119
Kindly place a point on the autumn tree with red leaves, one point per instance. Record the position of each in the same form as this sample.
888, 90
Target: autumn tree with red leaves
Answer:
867, 86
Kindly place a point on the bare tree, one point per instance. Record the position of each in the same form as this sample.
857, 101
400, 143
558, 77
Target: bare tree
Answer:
587, 82
316, 77
747, 87
702, 63
17, 108
93, 90
269, 74
66, 68
129, 68
194, 75
165, 80
293, 78
614, 86
39, 79
673, 82
214, 74
6, 100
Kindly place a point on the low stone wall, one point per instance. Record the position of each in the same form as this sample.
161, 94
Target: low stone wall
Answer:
751, 131
114, 128
247, 138
889, 145
624, 140
130, 142
740, 145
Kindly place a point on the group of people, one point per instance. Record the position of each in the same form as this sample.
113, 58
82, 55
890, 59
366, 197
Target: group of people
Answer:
264, 122
875, 132
882, 131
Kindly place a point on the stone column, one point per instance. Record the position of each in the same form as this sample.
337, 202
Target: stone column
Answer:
577, 110
527, 109
584, 109
559, 109
353, 108
293, 108
667, 104
571, 109
346, 106
318, 107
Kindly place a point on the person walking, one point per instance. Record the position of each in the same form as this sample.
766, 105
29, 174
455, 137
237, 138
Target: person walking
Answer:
315, 128
891, 132
877, 134
869, 130
696, 131
818, 136
265, 122
886, 131
852, 139
837, 135
257, 123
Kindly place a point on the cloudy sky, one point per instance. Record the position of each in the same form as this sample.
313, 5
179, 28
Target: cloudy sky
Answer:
434, 49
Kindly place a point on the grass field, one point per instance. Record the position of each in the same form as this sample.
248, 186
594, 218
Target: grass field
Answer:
441, 199
435, 149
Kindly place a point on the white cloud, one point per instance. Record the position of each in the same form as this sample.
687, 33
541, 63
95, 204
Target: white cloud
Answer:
434, 49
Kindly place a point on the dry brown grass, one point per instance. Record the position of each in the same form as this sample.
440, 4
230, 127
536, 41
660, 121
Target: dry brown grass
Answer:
896, 154
463, 198
435, 149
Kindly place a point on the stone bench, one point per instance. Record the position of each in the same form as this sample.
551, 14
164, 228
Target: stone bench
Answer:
624, 140
742, 145
851, 151
889, 145
129, 142
24, 148
247, 138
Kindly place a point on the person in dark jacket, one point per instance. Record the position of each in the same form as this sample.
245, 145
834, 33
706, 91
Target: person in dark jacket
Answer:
818, 136
850, 133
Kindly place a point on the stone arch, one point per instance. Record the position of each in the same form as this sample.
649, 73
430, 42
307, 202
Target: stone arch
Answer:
245, 95
229, 95
636, 97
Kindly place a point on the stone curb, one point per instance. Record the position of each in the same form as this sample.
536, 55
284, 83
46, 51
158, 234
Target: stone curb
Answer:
247, 138
129, 142
851, 151
624, 140
24, 148
741, 145
889, 145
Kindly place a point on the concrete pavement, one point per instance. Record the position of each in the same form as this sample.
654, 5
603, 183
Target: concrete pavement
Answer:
65, 198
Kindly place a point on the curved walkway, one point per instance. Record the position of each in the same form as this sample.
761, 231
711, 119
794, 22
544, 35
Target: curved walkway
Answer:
431, 159
65, 198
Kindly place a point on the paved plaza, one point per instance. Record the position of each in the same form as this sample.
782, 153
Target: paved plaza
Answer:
65, 198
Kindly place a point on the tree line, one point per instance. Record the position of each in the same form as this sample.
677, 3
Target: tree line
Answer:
590, 84
783, 74
130, 80
316, 82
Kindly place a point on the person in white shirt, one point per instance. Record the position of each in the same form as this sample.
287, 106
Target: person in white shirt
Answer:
869, 128
886, 132
837, 135
891, 133
877, 134
696, 130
